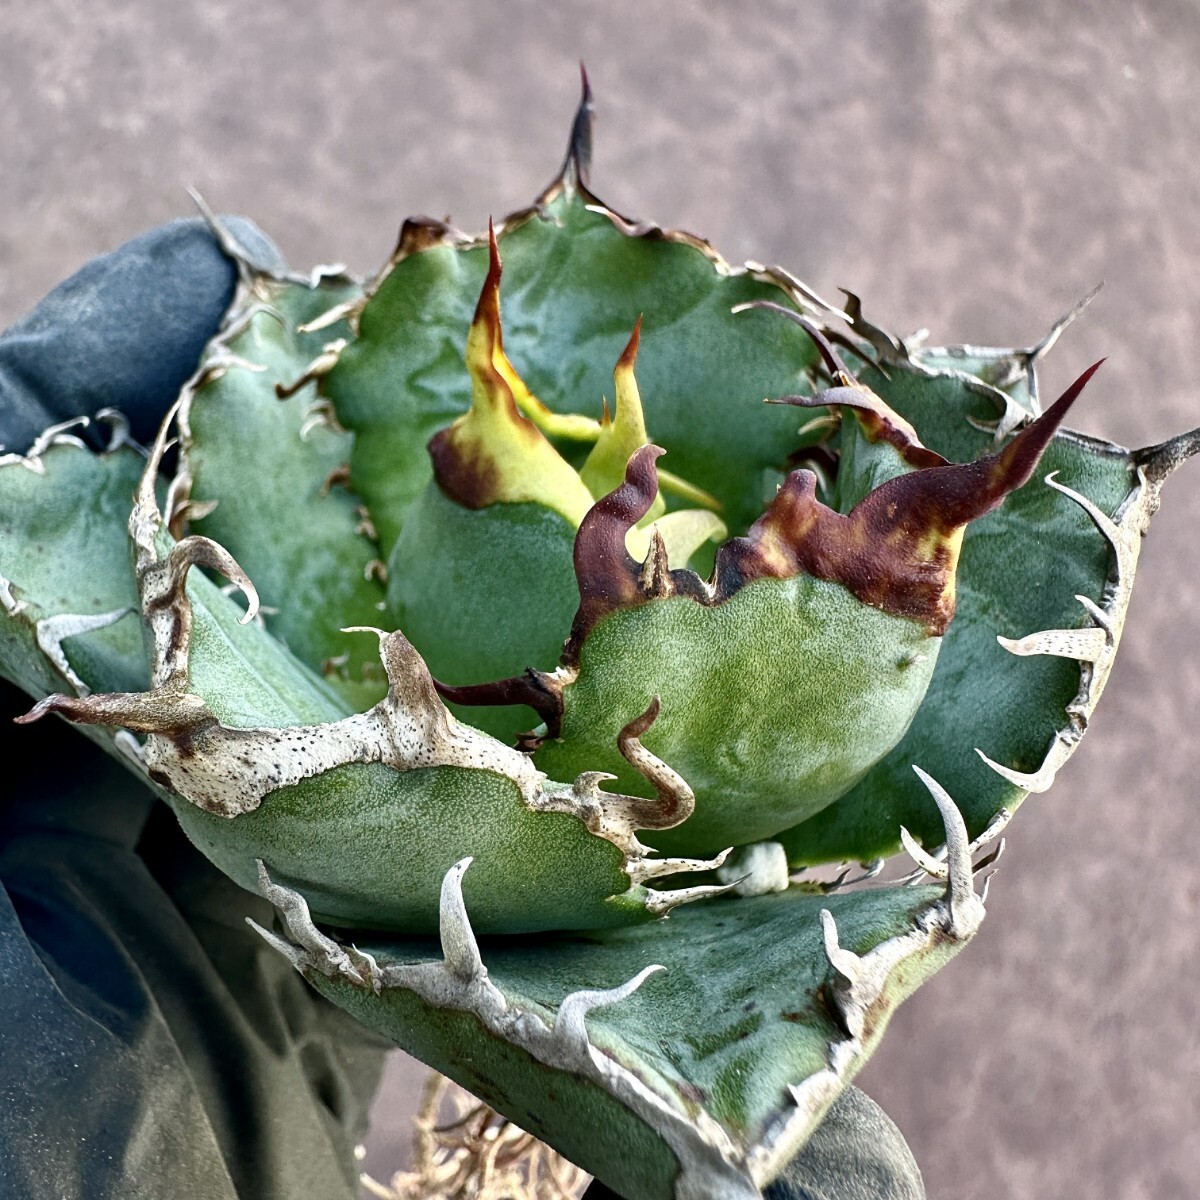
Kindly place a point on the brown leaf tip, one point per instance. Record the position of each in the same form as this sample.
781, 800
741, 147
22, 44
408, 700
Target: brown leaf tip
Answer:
878, 422
609, 577
418, 234
535, 689
628, 358
897, 549
607, 574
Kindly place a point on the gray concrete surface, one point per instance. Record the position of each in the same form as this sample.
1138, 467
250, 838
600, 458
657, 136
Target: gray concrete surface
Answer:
974, 169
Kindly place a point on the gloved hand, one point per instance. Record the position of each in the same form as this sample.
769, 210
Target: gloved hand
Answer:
151, 1044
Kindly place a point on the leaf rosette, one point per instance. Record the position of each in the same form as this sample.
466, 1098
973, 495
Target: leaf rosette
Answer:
615, 657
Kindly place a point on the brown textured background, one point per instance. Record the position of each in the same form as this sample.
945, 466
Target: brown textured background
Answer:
973, 169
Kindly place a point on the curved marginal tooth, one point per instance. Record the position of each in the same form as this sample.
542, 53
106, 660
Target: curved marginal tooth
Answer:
641, 869
1085, 645
965, 910
1037, 781
263, 610
1013, 417
927, 863
224, 360
321, 414
987, 883
995, 827
118, 429
294, 954
850, 971
52, 631
326, 270
204, 552
869, 871
369, 959
340, 477
366, 968
569, 1025
614, 816
989, 859
459, 947
1103, 521
321, 953
145, 518
347, 310
661, 903
53, 435
674, 800
321, 365
845, 962
192, 510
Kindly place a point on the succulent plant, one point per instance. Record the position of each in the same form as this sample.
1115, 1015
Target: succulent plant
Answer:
499, 672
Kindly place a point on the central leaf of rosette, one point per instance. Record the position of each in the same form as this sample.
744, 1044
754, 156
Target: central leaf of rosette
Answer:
782, 677
480, 575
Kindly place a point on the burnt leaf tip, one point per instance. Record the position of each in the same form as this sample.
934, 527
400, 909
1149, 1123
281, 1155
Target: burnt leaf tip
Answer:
898, 548
963, 492
494, 453
534, 689
487, 308
609, 577
629, 355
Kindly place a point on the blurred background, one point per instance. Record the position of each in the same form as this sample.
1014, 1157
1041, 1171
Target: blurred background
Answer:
973, 169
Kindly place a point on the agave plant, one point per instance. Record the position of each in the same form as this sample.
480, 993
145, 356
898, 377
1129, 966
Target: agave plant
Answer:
500, 672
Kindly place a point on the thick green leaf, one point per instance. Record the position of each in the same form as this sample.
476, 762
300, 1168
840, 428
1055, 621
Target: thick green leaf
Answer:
268, 468
574, 284
710, 1074
483, 594
368, 844
1021, 569
64, 551
773, 702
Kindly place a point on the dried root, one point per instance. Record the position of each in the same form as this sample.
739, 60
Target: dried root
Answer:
464, 1150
